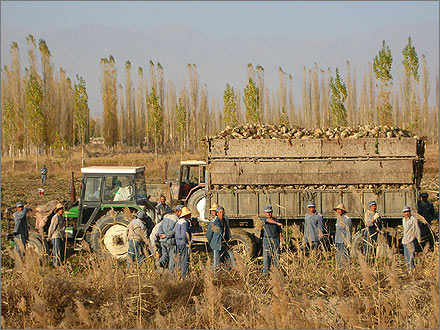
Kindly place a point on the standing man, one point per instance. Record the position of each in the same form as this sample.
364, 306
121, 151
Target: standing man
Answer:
162, 208
342, 236
137, 237
43, 174
219, 234
56, 233
272, 235
156, 248
373, 225
411, 231
183, 239
426, 209
313, 227
167, 237
21, 230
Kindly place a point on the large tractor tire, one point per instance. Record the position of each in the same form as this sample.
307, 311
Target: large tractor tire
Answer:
243, 243
109, 236
38, 244
196, 204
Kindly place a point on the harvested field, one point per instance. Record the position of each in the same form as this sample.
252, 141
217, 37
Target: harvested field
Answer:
91, 292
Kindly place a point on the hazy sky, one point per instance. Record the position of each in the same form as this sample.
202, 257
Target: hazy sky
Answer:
316, 19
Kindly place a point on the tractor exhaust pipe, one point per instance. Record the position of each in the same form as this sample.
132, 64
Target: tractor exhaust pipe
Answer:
72, 190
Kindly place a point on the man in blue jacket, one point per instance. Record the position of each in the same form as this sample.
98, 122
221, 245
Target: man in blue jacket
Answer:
183, 239
313, 227
167, 237
272, 234
219, 234
21, 230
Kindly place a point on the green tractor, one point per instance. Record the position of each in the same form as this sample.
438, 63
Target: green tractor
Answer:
98, 217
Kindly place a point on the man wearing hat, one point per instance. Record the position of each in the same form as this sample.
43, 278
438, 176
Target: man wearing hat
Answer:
56, 233
137, 237
21, 230
373, 225
219, 234
167, 237
411, 231
426, 209
272, 235
313, 227
183, 239
342, 235
213, 209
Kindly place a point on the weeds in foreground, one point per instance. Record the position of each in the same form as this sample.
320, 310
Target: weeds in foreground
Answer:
306, 292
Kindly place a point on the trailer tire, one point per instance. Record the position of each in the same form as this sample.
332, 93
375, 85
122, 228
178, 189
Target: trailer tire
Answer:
109, 236
243, 244
38, 244
357, 245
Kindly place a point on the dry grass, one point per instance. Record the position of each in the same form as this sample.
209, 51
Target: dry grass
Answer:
92, 292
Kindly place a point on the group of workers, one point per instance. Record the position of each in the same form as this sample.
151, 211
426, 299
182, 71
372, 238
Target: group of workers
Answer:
170, 238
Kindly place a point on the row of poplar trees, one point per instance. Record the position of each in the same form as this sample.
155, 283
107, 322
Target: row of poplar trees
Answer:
42, 110
45, 110
157, 116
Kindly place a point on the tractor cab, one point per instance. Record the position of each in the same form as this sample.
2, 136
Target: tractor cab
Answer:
104, 188
192, 177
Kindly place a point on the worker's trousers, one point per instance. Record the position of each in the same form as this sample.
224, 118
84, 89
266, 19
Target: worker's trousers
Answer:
57, 251
408, 253
271, 252
136, 250
183, 253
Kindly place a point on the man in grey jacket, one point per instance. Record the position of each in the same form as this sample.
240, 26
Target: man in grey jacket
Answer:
56, 233
137, 237
162, 209
313, 227
411, 231
21, 230
167, 238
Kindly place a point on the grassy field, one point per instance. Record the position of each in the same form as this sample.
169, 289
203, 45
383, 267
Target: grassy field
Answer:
307, 292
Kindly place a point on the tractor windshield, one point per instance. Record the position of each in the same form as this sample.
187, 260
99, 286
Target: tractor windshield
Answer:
92, 189
118, 188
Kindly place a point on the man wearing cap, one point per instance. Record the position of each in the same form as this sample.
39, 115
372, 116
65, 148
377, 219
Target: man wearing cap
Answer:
272, 235
21, 230
411, 231
167, 237
426, 209
137, 237
43, 172
219, 234
313, 227
373, 225
342, 235
56, 233
183, 239
162, 208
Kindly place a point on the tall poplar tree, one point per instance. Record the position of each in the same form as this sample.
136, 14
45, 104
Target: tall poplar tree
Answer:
382, 69
338, 96
251, 99
230, 107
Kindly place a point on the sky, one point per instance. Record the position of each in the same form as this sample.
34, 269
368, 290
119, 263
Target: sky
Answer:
323, 19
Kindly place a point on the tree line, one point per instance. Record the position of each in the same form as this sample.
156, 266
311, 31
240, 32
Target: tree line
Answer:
44, 110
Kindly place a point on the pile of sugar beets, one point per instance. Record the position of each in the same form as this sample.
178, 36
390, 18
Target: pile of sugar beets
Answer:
269, 131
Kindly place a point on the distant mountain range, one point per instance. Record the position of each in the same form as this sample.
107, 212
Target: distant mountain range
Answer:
219, 60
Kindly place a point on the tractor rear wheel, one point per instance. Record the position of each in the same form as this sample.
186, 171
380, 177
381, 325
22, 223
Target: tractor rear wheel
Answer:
194, 204
109, 235
38, 244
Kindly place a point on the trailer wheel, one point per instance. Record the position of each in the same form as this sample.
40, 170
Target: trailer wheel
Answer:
357, 245
38, 244
109, 236
242, 243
